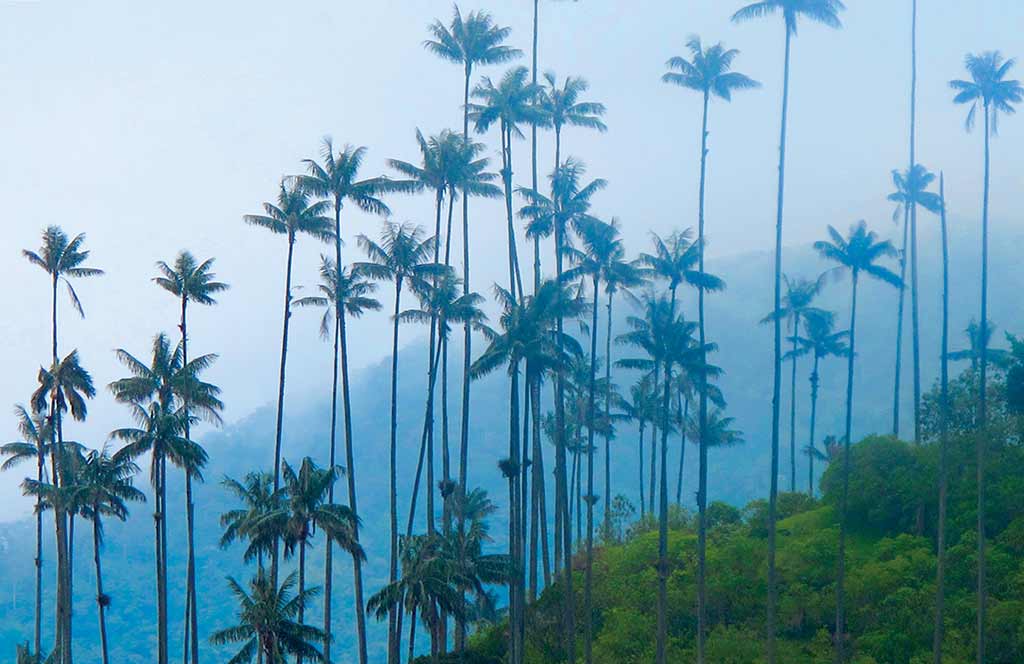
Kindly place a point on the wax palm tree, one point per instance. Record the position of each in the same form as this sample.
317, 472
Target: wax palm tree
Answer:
36, 437
860, 252
164, 396
189, 281
640, 408
988, 88
528, 335
64, 387
294, 214
256, 493
821, 342
342, 295
999, 358
825, 12
403, 257
508, 104
940, 573
425, 588
267, 625
562, 107
62, 258
912, 192
104, 489
304, 509
797, 307
720, 431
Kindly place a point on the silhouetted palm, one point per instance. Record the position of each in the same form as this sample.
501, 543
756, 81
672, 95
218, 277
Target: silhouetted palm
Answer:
403, 257
256, 492
989, 88
820, 342
999, 358
859, 253
293, 214
267, 628
562, 107
825, 12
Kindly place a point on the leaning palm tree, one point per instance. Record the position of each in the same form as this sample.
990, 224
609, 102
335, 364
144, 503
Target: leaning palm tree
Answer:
62, 258
343, 294
508, 104
267, 627
403, 257
858, 253
305, 509
820, 341
825, 12
797, 308
189, 281
989, 88
293, 214
165, 395
336, 177
64, 387
36, 437
104, 489
911, 193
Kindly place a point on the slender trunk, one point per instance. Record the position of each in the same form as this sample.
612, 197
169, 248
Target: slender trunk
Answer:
899, 325
792, 407
607, 417
467, 339
682, 413
983, 402
357, 564
913, 228
514, 278
940, 575
702, 481
393, 636
661, 646
643, 501
588, 608
515, 591
654, 465
39, 551
815, 378
412, 634
163, 554
329, 553
428, 423
100, 597
191, 647
161, 606
280, 391
302, 587
777, 360
840, 633
71, 580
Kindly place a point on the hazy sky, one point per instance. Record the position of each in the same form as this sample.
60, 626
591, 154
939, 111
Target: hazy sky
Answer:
156, 126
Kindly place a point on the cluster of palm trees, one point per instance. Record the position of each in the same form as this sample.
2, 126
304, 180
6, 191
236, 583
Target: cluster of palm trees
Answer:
440, 573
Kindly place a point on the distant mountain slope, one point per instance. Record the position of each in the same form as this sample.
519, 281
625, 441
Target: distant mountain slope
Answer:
736, 475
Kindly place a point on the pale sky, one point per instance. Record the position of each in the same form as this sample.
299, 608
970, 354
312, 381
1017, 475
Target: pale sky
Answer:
155, 126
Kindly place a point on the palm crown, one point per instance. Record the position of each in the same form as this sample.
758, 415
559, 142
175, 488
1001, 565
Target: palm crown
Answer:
337, 177
819, 11
294, 214
62, 259
988, 86
349, 292
68, 384
444, 303
708, 70
35, 437
511, 102
676, 259
561, 106
470, 40
912, 189
402, 254
820, 340
568, 205
859, 252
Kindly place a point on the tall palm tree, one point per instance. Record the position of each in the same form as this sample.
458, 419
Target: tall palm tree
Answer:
267, 623
999, 358
989, 88
911, 193
36, 436
305, 509
678, 261
294, 214
337, 179
508, 104
470, 41
858, 253
825, 12
562, 107
62, 258
528, 335
403, 257
796, 308
639, 407
64, 387
256, 492
190, 281
820, 341
343, 294
104, 489
164, 396
940, 574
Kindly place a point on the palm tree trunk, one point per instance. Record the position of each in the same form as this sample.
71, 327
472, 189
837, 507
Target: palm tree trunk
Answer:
428, 424
393, 636
100, 597
561, 479
607, 417
840, 633
588, 639
467, 342
643, 502
983, 402
357, 564
814, 414
39, 551
302, 587
71, 579
514, 278
662, 601
682, 412
161, 607
191, 606
329, 554
777, 360
940, 575
163, 555
899, 325
412, 635
792, 408
913, 227
515, 586
703, 403
280, 390
533, 146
